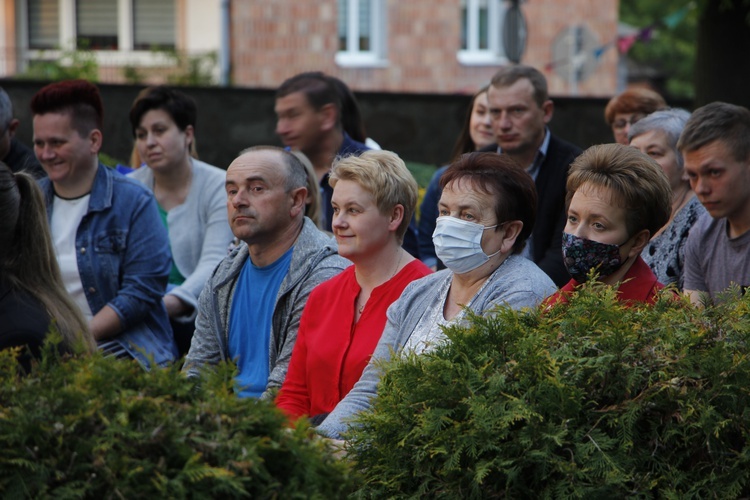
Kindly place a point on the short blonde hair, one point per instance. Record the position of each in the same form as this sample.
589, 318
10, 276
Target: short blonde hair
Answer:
384, 175
638, 184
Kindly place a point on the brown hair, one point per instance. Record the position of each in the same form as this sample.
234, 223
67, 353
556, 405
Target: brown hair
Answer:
465, 144
506, 181
508, 75
180, 107
637, 183
718, 121
635, 100
317, 87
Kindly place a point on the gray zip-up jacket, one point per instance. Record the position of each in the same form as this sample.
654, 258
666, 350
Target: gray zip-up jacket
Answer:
517, 283
314, 260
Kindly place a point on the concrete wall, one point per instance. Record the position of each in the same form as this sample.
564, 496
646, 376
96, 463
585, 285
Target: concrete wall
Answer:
419, 127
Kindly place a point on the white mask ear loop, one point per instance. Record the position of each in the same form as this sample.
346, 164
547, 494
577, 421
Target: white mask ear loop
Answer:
498, 250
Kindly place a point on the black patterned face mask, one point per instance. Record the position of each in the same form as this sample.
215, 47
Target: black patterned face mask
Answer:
581, 256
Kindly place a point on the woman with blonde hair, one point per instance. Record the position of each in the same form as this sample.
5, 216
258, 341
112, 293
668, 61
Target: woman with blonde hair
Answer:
374, 197
487, 212
33, 300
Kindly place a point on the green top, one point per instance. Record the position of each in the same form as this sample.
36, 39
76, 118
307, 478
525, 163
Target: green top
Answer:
175, 277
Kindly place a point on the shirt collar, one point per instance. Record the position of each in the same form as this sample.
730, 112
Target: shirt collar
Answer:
541, 152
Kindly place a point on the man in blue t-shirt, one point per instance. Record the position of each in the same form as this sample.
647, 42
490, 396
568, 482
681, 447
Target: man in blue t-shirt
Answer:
249, 310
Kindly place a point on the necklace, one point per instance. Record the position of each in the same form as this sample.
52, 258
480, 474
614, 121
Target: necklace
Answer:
361, 307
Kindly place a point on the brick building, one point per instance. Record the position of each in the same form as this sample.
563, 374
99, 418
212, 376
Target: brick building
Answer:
415, 46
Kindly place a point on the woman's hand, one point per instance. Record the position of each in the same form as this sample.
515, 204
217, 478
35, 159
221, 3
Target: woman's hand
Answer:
175, 306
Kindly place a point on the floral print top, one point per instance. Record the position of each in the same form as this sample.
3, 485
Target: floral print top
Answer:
665, 254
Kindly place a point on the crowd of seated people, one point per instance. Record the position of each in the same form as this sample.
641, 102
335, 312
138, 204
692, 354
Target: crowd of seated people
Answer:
298, 263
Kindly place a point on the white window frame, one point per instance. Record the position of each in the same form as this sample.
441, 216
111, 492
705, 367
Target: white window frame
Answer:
352, 56
123, 56
494, 53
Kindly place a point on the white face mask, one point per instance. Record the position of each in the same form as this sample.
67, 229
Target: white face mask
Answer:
458, 243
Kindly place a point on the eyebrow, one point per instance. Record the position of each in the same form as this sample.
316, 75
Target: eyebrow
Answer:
597, 216
461, 207
254, 178
591, 215
709, 165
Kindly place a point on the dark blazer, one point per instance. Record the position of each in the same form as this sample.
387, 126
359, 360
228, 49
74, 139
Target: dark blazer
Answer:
550, 214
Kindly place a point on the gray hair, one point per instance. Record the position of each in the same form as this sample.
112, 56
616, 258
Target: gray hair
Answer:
6, 108
296, 174
671, 121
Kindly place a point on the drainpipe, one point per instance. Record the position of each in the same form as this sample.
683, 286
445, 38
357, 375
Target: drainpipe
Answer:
224, 50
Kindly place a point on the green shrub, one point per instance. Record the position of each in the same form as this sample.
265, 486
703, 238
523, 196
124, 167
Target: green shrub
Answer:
587, 400
103, 428
64, 65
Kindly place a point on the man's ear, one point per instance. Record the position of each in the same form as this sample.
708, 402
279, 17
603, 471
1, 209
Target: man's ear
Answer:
299, 201
548, 108
13, 126
329, 115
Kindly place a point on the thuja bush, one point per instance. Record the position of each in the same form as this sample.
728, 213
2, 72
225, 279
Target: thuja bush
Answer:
586, 400
91, 427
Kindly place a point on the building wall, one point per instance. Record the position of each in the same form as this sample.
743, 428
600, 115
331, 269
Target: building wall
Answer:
275, 39
201, 26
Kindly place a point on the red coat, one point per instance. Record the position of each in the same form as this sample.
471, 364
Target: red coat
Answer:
331, 349
638, 285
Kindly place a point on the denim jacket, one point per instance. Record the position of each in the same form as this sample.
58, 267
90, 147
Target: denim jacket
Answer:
124, 262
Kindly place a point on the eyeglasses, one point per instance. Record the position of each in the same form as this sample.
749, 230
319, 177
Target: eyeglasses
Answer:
621, 123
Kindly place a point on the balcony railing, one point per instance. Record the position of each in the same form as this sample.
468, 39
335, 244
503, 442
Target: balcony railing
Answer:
111, 66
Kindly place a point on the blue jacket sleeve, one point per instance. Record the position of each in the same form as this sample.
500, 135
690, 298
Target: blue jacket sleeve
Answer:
145, 266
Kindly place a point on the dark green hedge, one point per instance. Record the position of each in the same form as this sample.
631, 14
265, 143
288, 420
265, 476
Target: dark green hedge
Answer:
587, 400
101, 428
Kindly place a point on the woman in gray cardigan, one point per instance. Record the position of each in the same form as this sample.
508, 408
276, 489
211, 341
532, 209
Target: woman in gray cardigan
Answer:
190, 195
486, 212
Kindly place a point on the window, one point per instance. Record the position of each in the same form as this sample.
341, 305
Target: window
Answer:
44, 24
481, 32
153, 24
361, 33
96, 24
122, 25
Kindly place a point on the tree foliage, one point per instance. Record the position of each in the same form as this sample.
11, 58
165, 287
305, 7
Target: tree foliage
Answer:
95, 427
587, 400
671, 51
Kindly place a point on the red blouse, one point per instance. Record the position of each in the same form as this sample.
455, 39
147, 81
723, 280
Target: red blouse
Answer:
332, 350
638, 285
